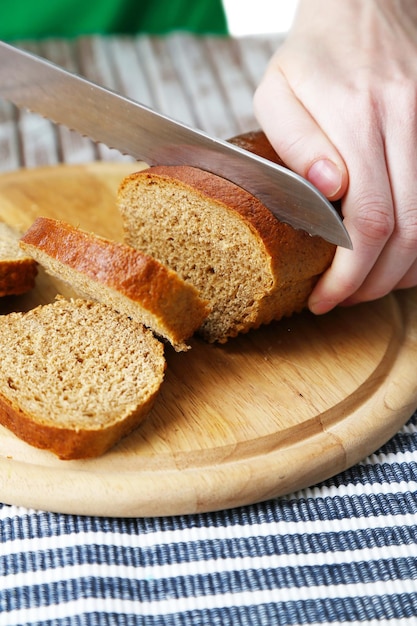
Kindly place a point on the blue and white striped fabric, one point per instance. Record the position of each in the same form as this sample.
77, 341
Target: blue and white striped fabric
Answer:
342, 552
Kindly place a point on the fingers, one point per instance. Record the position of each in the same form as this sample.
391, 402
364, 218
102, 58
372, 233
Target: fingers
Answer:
370, 221
381, 217
374, 138
409, 279
297, 137
394, 267
369, 225
398, 256
338, 103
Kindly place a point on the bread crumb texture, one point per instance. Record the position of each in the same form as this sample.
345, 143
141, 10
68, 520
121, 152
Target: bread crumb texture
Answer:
248, 265
120, 276
76, 376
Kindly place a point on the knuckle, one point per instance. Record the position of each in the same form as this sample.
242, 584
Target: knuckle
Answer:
375, 220
406, 230
293, 146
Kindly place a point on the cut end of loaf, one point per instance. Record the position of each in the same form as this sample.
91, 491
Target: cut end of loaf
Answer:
225, 242
76, 376
120, 276
180, 216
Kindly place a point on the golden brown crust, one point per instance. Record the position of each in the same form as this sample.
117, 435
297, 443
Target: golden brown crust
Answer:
17, 271
86, 378
70, 443
137, 277
312, 252
17, 276
294, 252
257, 142
292, 260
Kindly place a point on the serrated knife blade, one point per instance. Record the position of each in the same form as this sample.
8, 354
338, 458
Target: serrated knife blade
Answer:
34, 83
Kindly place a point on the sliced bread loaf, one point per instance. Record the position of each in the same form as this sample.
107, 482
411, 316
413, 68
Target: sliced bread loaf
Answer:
250, 267
118, 275
17, 270
76, 376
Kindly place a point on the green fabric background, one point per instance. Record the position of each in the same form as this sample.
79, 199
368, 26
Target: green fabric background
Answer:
23, 19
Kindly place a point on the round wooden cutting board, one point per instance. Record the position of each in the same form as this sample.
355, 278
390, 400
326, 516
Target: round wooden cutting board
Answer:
274, 411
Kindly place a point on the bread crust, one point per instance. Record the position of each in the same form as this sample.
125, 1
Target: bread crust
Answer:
98, 422
70, 443
134, 278
294, 253
295, 259
257, 142
17, 271
17, 276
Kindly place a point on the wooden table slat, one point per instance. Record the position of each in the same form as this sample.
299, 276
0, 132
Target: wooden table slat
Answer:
203, 81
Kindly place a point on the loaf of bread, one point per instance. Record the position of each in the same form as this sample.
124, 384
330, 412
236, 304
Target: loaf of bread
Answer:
248, 265
75, 376
17, 270
200, 253
119, 276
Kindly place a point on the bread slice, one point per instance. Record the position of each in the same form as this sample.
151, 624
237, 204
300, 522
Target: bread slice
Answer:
75, 376
118, 275
17, 270
250, 267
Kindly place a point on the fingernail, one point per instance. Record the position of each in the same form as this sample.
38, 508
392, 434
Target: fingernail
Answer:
326, 176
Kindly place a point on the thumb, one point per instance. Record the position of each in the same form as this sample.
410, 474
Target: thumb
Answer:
297, 138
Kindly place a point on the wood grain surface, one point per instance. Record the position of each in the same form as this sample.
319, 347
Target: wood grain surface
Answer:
268, 413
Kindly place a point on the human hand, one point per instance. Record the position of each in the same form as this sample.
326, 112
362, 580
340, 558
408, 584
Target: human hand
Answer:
338, 103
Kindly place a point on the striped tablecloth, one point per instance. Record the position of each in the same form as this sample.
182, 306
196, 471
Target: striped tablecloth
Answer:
344, 551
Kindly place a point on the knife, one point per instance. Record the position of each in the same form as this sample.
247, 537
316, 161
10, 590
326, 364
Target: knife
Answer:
103, 115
